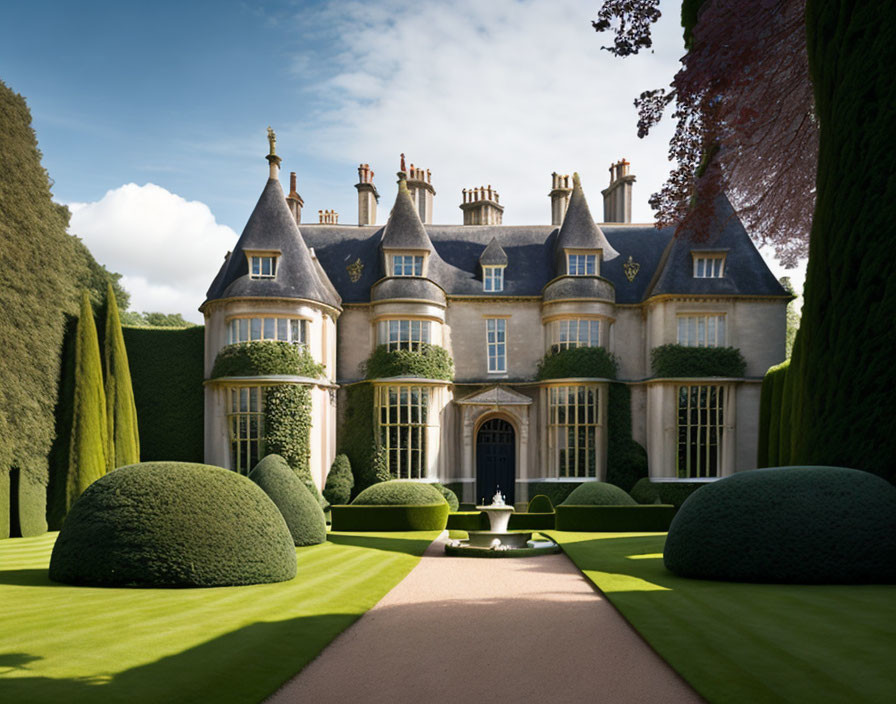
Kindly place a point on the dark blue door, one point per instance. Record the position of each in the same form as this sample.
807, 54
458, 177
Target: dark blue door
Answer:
495, 461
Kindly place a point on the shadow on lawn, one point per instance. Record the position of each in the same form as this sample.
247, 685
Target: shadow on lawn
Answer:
246, 665
380, 541
27, 578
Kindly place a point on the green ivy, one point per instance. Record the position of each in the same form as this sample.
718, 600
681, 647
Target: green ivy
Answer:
429, 362
588, 362
264, 358
626, 458
681, 361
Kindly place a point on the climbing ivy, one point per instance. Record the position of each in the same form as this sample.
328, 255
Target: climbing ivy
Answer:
679, 361
263, 358
427, 362
588, 362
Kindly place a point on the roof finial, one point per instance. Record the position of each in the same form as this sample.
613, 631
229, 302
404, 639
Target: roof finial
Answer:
272, 140
402, 169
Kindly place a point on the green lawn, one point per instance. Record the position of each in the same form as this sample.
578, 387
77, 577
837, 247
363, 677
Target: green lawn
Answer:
232, 644
752, 643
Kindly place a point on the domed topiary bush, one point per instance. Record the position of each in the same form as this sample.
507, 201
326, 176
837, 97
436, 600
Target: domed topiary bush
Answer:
399, 492
598, 494
173, 524
340, 481
646, 492
301, 511
450, 496
540, 504
799, 525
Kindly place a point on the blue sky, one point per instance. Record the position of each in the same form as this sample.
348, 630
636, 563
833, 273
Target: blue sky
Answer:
152, 116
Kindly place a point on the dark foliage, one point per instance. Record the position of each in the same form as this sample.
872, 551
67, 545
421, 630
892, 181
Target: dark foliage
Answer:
264, 358
398, 492
355, 433
430, 362
540, 504
555, 491
681, 361
674, 493
621, 519
154, 320
121, 412
166, 366
300, 509
626, 458
796, 525
770, 419
338, 489
467, 520
598, 494
390, 518
450, 496
171, 524
579, 362
531, 521
287, 428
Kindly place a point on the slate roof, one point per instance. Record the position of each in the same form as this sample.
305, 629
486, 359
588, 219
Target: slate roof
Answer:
493, 254
579, 231
403, 229
272, 227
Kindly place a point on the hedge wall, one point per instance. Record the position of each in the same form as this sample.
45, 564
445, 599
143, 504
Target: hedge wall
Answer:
354, 433
682, 361
675, 493
653, 518
167, 373
770, 426
430, 362
390, 518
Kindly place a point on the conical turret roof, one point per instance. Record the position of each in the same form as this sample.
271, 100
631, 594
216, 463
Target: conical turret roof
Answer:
271, 227
404, 229
579, 231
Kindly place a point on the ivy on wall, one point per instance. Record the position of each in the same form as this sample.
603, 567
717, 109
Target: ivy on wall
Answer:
428, 362
588, 362
264, 358
682, 361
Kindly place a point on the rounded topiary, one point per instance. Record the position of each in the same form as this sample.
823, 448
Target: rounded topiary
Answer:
173, 524
540, 504
301, 511
598, 494
399, 492
450, 496
646, 492
802, 525
340, 481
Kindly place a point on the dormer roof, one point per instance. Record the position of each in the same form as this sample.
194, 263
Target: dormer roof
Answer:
493, 254
272, 228
579, 231
404, 230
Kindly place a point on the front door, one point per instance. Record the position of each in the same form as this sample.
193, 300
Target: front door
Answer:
495, 461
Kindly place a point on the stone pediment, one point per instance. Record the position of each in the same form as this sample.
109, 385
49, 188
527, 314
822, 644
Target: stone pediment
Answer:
496, 396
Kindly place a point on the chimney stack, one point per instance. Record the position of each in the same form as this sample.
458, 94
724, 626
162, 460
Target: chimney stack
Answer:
618, 195
367, 196
328, 217
294, 200
420, 187
481, 206
560, 193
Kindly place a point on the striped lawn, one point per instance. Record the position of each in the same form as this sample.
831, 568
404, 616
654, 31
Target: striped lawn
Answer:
233, 644
737, 642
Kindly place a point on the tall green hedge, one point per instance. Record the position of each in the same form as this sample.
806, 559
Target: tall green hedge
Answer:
167, 372
429, 362
121, 412
770, 419
42, 270
682, 361
89, 444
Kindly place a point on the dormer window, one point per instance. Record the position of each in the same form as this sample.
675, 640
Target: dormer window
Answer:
709, 265
263, 265
581, 264
407, 265
492, 278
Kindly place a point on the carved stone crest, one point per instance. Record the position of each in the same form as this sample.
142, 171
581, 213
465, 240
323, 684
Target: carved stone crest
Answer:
631, 268
354, 270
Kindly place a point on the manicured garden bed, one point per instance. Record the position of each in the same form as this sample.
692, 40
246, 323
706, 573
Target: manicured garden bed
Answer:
738, 642
231, 644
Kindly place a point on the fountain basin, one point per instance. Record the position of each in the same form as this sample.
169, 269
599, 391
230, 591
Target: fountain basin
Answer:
498, 516
487, 538
472, 548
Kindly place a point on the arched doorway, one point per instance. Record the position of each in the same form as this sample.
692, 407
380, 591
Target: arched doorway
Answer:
495, 460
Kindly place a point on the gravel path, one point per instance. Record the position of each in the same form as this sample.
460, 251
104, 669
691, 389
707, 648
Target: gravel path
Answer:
526, 629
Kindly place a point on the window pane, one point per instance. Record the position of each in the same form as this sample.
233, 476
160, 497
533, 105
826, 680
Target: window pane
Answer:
255, 329
269, 328
282, 329
256, 266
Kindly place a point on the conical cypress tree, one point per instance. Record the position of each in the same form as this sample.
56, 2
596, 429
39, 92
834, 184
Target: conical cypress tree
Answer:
87, 452
121, 412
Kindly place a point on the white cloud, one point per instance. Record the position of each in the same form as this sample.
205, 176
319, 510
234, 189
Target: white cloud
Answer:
499, 93
167, 249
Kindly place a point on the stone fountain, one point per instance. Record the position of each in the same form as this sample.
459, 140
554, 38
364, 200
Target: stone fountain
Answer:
499, 538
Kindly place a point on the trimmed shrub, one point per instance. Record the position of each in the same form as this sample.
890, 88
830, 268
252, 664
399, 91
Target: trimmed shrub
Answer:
555, 491
429, 362
173, 524
265, 358
287, 429
457, 488
598, 494
587, 362
87, 452
531, 521
450, 496
540, 504
654, 518
167, 372
795, 525
303, 515
399, 492
390, 518
121, 412
775, 438
338, 489
674, 493
467, 520
682, 361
